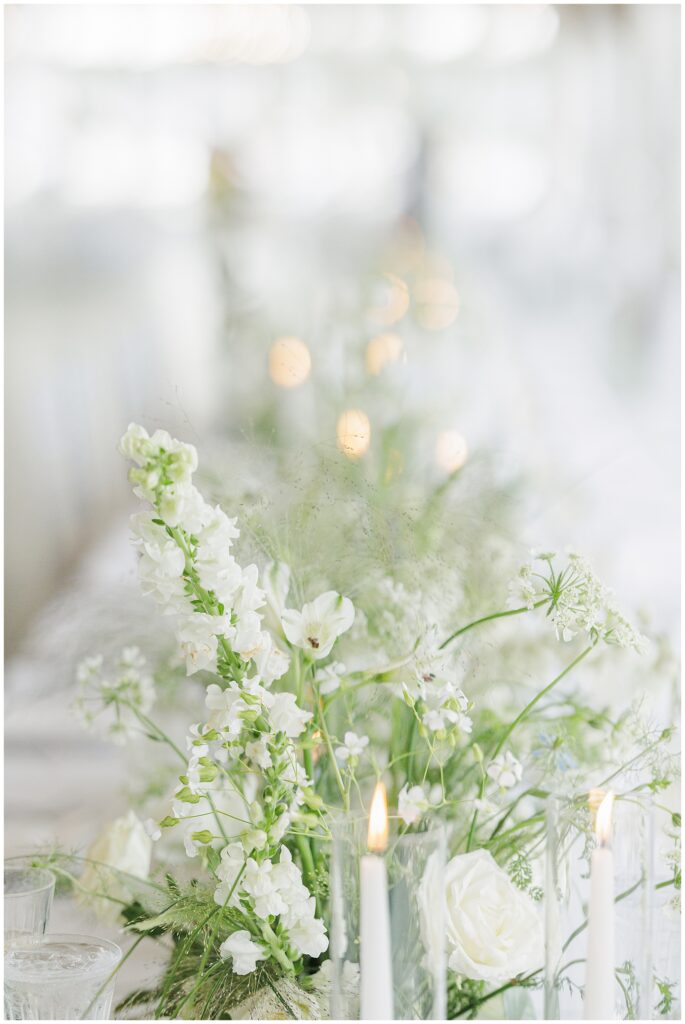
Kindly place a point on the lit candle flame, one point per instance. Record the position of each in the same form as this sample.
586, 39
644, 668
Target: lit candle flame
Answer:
378, 820
603, 815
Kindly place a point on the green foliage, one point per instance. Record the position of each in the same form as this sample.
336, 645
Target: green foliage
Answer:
665, 989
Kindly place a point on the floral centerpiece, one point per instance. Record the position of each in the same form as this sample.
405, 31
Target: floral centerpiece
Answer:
288, 728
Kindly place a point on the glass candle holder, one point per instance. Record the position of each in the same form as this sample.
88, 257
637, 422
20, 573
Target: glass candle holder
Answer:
387, 930
27, 902
61, 977
570, 963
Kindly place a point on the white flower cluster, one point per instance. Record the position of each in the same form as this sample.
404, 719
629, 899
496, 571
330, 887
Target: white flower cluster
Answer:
277, 895
245, 748
577, 600
108, 700
186, 562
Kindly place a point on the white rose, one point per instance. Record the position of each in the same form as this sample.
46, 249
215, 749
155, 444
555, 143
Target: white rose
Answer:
125, 846
493, 929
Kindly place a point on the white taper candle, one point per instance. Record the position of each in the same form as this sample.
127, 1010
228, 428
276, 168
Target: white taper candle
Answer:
599, 968
375, 954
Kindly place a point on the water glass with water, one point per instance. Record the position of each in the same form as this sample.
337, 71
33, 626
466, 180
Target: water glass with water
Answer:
60, 977
27, 902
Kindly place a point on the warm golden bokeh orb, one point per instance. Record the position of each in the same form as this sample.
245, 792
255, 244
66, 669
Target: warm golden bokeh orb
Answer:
289, 362
451, 451
393, 300
437, 303
353, 433
382, 351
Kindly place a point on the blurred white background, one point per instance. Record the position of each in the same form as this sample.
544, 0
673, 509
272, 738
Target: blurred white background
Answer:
496, 186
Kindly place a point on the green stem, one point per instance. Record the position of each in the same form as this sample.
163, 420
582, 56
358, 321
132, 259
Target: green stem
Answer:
538, 697
519, 718
468, 1007
278, 953
490, 618
332, 757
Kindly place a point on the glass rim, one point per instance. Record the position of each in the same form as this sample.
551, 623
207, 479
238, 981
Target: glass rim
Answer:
50, 938
347, 821
49, 880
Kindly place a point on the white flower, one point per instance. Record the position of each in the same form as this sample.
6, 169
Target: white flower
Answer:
230, 866
493, 929
182, 505
217, 569
258, 752
152, 829
308, 935
353, 746
285, 716
443, 706
227, 707
250, 596
328, 678
244, 952
125, 846
197, 636
411, 804
191, 846
505, 770
319, 624
254, 839
135, 444
249, 639
276, 583
270, 661
262, 887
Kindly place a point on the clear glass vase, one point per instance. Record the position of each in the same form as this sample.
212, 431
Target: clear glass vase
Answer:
570, 843
411, 871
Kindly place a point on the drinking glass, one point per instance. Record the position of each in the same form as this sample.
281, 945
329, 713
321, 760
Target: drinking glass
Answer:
414, 870
28, 901
60, 977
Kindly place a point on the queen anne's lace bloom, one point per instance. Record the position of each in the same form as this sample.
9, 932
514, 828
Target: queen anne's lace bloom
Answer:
577, 602
108, 702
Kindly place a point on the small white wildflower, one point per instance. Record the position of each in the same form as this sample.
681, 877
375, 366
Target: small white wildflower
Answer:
328, 678
506, 770
352, 748
411, 804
